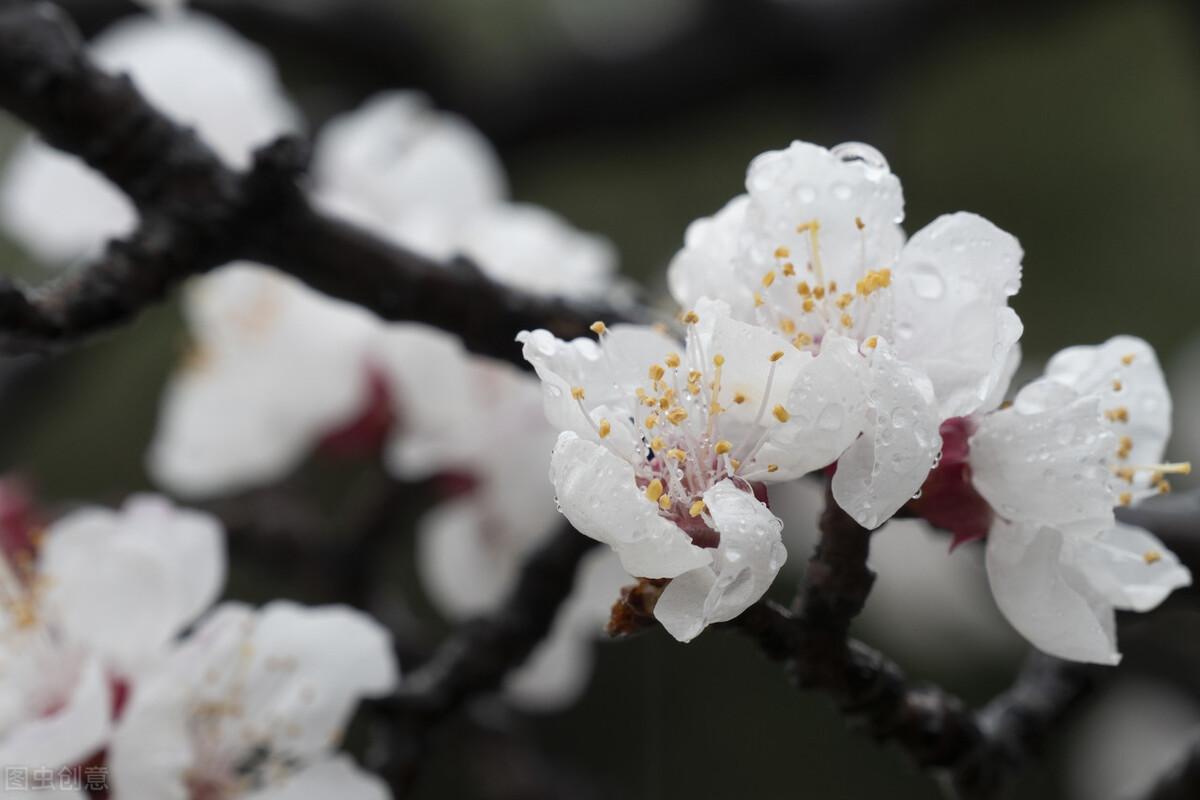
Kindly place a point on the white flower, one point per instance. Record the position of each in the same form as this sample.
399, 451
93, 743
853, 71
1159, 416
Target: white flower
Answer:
815, 252
409, 173
1086, 436
196, 70
660, 449
91, 612
252, 704
275, 366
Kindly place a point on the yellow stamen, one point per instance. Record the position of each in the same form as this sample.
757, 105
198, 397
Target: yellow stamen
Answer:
676, 415
803, 289
758, 301
1118, 414
691, 318
1116, 384
677, 454
654, 490
872, 342
656, 372
782, 252
697, 509
657, 444
858, 223
651, 421
802, 340
789, 269
723, 447
807, 305
781, 414
605, 428
847, 320
1151, 557
768, 279
778, 354
598, 327
1125, 498
1127, 359
787, 326
664, 502
719, 360
672, 360
739, 398
577, 392
772, 468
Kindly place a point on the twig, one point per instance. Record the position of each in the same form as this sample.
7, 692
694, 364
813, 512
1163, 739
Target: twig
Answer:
480, 654
198, 214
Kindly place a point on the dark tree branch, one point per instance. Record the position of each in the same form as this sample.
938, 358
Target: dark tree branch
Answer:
198, 214
479, 655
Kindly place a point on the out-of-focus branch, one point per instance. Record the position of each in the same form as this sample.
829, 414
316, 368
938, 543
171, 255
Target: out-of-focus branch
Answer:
198, 214
1182, 780
479, 655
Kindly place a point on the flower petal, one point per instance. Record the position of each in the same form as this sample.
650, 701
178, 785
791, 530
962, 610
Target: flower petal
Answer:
888, 463
1046, 597
277, 365
809, 183
124, 584
828, 406
1137, 386
707, 264
951, 289
535, 249
748, 558
1044, 460
75, 731
1130, 567
336, 777
406, 171
597, 492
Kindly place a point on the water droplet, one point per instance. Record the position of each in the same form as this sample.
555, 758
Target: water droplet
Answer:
806, 193
842, 191
831, 417
927, 282
554, 390
857, 151
904, 330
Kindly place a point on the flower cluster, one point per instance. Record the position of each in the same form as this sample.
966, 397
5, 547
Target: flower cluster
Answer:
817, 337
248, 704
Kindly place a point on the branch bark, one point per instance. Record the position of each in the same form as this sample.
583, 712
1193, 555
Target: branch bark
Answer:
198, 214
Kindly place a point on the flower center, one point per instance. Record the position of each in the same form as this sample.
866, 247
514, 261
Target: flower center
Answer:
802, 305
685, 440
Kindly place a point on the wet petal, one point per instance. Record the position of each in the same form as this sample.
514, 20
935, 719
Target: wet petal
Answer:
747, 560
1046, 597
707, 266
889, 462
951, 289
1130, 567
597, 492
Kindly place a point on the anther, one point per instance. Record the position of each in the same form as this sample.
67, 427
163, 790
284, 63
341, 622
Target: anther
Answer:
739, 397
778, 354
598, 327
677, 454
605, 428
654, 490
781, 413
697, 509
772, 468
768, 279
676, 415
782, 252
723, 447
577, 392
1151, 557
691, 318
872, 342
656, 372
1127, 359
672, 360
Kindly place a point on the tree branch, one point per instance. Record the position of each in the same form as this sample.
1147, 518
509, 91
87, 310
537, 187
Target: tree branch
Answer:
197, 214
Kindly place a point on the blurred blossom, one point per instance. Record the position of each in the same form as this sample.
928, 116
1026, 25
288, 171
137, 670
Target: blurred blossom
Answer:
89, 610
925, 596
252, 704
1128, 739
815, 253
192, 67
1088, 435
621, 29
407, 172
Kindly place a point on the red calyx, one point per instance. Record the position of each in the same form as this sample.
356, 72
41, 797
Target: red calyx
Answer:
369, 429
948, 498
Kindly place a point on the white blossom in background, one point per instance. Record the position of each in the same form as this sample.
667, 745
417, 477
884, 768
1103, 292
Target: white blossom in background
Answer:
1128, 739
1088, 435
253, 704
815, 252
662, 445
88, 612
406, 171
192, 67
273, 367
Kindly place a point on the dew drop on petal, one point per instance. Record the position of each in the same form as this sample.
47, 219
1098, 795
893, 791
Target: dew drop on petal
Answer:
857, 151
927, 282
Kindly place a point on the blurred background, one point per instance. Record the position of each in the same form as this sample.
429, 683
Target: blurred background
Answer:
1074, 125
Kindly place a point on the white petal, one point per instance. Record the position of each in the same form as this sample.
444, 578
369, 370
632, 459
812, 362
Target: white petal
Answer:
1131, 568
531, 248
336, 777
882, 470
1000, 389
597, 492
406, 171
72, 733
1138, 386
428, 373
748, 558
951, 289
806, 182
707, 264
828, 406
277, 367
124, 584
1045, 596
556, 673
463, 567
1044, 460
748, 350
194, 68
